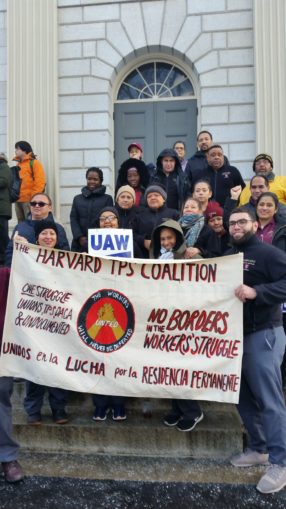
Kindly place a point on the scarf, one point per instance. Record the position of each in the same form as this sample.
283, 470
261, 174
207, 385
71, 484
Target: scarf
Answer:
192, 225
165, 254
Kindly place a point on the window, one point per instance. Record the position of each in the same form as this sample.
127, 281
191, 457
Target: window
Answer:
157, 80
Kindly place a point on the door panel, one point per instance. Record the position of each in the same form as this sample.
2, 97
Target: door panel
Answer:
133, 122
156, 125
176, 120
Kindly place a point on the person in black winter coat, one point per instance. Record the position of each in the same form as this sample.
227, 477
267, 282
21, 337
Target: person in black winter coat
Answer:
86, 206
170, 175
222, 177
133, 172
151, 216
125, 205
125, 200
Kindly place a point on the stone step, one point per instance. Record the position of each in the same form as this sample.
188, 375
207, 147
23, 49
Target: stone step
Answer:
136, 468
219, 435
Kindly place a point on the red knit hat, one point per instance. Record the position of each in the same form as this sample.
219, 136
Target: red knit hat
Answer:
213, 210
136, 145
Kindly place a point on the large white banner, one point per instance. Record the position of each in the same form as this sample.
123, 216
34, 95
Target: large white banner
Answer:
118, 327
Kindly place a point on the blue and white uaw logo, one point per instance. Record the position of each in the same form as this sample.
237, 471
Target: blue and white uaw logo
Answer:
110, 242
106, 321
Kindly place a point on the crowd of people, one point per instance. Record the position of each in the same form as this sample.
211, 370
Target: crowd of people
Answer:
178, 208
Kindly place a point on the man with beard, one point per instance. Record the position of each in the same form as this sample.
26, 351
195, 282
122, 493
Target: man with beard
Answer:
198, 160
261, 402
263, 165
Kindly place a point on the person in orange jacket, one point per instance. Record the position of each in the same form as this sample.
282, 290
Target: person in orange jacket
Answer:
32, 175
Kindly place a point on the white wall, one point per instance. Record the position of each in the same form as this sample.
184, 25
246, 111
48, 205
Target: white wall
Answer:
3, 77
96, 41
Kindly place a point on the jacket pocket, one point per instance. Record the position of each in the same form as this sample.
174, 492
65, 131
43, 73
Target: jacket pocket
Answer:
269, 339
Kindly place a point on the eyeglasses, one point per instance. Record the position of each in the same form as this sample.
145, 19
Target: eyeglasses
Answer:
103, 219
39, 203
239, 222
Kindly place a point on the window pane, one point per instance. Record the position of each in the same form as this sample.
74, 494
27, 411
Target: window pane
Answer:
174, 78
165, 93
162, 71
147, 72
183, 89
135, 80
127, 93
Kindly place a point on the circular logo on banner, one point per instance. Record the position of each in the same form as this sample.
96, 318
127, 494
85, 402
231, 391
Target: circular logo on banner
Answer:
106, 321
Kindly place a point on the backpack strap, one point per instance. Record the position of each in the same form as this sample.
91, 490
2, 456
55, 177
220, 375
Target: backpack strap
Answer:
32, 168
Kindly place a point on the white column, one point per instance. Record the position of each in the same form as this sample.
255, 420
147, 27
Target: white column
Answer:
270, 73
32, 87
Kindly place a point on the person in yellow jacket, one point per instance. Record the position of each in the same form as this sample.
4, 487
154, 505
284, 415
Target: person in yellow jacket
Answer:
263, 165
32, 175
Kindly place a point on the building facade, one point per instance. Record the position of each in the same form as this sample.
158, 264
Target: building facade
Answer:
81, 78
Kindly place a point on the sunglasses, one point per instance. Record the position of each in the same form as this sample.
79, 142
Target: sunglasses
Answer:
39, 203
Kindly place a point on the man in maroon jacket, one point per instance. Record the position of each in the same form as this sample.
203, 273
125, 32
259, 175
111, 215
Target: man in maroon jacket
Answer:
8, 447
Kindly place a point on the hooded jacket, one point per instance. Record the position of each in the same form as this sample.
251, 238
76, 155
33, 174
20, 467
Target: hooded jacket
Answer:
180, 246
33, 179
176, 183
85, 209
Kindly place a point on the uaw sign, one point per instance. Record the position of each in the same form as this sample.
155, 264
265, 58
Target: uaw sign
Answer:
116, 242
124, 327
